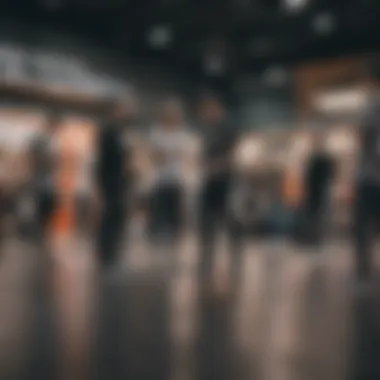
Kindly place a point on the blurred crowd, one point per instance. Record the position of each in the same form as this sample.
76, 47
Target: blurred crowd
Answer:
78, 177
102, 179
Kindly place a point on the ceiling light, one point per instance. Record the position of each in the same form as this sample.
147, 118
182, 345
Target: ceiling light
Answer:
324, 23
295, 5
160, 36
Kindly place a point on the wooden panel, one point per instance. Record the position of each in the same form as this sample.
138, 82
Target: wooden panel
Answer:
321, 76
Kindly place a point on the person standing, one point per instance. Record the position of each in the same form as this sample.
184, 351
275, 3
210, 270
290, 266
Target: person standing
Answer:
168, 141
219, 141
113, 178
318, 175
43, 154
85, 189
4, 195
367, 197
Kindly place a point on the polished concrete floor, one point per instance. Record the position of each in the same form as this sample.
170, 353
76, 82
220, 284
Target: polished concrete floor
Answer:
293, 317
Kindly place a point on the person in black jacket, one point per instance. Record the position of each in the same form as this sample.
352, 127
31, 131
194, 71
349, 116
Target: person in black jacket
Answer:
219, 139
318, 176
113, 179
367, 200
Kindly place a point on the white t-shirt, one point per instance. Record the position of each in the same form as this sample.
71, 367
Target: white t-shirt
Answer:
85, 181
171, 146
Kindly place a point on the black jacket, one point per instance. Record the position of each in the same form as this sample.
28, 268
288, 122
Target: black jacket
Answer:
369, 169
219, 144
319, 173
112, 159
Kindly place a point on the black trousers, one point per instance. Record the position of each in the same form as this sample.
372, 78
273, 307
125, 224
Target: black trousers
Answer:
46, 201
111, 226
214, 216
84, 211
313, 216
365, 220
166, 212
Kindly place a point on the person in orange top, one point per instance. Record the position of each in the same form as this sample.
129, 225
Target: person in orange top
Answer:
67, 179
292, 189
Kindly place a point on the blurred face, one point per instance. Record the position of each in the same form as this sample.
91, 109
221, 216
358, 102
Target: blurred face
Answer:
52, 124
211, 111
171, 115
125, 110
319, 143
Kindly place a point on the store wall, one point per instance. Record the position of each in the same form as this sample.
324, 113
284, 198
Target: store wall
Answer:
18, 127
266, 106
313, 78
68, 64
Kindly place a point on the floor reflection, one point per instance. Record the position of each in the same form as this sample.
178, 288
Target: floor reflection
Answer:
294, 316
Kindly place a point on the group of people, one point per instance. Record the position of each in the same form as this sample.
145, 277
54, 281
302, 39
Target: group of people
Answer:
108, 192
365, 211
111, 178
169, 142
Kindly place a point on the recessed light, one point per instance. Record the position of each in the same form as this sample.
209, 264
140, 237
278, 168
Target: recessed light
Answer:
159, 36
324, 23
295, 5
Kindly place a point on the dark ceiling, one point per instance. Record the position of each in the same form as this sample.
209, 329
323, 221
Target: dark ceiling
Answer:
248, 34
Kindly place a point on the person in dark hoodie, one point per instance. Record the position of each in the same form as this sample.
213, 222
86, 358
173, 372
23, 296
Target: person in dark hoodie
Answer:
113, 178
367, 195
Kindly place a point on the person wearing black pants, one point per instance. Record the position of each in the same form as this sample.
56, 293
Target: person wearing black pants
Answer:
43, 158
366, 215
168, 142
166, 211
113, 179
319, 173
111, 225
219, 141
367, 202
214, 216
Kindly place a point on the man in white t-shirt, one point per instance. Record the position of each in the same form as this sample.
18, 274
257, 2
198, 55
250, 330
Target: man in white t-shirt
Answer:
168, 141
